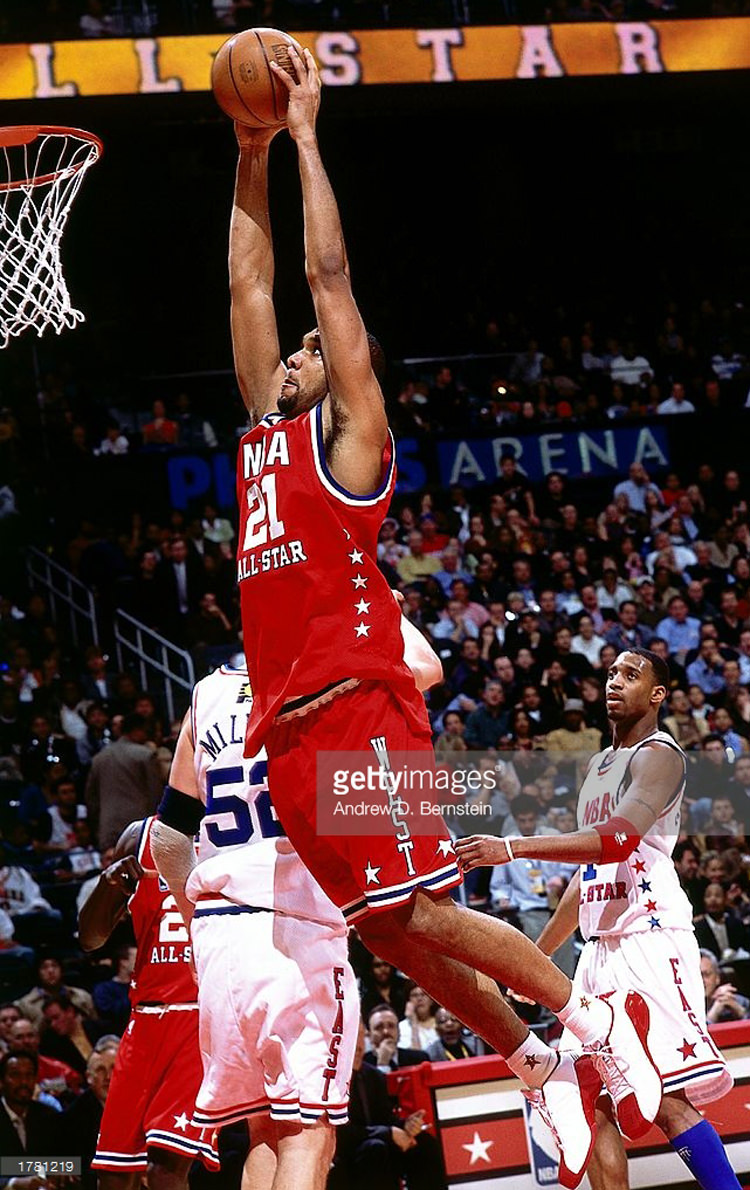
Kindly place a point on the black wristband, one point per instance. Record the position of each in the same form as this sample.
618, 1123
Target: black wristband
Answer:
180, 811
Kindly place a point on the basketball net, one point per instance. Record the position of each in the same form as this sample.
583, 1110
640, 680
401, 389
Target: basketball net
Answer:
41, 170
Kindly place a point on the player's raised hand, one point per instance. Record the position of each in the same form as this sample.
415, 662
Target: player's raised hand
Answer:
124, 874
304, 92
479, 851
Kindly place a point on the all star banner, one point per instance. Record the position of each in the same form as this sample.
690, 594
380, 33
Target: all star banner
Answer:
147, 66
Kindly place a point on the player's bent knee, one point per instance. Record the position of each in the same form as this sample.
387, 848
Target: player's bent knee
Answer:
167, 1171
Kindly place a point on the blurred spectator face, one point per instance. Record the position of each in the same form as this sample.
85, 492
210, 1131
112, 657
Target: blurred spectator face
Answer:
710, 976
382, 972
23, 1036
709, 651
460, 591
493, 695
521, 573
729, 604
697, 697
687, 864
383, 1024
497, 613
455, 610
589, 598
526, 822
678, 610
732, 481
531, 698
97, 718
449, 559
453, 724
678, 703
722, 720
178, 551
50, 974
524, 660
628, 615
547, 602
565, 821
695, 591
61, 1020
558, 562
591, 691
40, 727
504, 669
9, 1014
586, 627
82, 832
556, 673
722, 811
421, 1002
563, 640
713, 750
741, 776
18, 1083
470, 650
714, 869
448, 1027
99, 1072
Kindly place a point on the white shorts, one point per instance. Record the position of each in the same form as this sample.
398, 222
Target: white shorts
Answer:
664, 967
279, 1015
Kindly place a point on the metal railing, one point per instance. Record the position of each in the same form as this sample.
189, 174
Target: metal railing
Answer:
164, 670
67, 596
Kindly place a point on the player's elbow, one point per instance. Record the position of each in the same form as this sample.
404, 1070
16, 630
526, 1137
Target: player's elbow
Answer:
429, 672
327, 271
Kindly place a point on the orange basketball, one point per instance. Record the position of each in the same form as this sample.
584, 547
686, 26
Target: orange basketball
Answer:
243, 82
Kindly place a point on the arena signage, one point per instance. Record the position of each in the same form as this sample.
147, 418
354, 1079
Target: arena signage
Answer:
149, 66
577, 454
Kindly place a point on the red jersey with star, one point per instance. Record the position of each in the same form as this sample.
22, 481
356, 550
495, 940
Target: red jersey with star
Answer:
162, 966
315, 608
641, 893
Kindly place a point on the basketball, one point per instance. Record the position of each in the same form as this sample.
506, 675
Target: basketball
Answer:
243, 82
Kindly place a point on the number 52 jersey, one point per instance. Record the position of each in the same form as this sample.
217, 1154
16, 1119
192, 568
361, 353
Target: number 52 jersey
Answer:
244, 855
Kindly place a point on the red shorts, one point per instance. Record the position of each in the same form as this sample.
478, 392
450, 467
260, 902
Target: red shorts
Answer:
152, 1094
360, 873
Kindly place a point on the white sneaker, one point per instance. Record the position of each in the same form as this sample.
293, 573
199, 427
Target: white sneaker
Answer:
566, 1102
626, 1066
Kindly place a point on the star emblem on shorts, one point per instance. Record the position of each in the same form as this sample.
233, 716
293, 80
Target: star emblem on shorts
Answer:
585, 1002
371, 874
362, 607
359, 581
531, 1061
356, 557
181, 1122
645, 886
639, 866
362, 629
686, 1049
654, 923
445, 847
650, 906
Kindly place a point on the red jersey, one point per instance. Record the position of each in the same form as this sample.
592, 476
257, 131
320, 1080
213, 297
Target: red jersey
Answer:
162, 972
315, 608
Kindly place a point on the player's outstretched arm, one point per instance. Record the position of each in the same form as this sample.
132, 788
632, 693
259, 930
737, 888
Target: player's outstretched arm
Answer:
107, 902
656, 774
171, 835
355, 392
255, 340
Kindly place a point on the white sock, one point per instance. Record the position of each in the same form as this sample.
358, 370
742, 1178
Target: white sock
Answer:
587, 1016
533, 1061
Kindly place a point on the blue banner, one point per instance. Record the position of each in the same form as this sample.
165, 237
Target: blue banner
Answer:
576, 453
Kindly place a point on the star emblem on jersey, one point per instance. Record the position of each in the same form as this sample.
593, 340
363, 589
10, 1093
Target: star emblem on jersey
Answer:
654, 923
650, 906
477, 1150
356, 557
362, 607
371, 874
362, 629
181, 1122
531, 1061
645, 886
686, 1049
445, 847
359, 581
639, 866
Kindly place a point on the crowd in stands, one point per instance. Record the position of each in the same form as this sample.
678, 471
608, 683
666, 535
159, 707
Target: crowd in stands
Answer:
527, 591
63, 19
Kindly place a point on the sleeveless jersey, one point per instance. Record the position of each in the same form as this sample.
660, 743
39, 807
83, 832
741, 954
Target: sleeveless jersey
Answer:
244, 855
315, 607
162, 966
642, 893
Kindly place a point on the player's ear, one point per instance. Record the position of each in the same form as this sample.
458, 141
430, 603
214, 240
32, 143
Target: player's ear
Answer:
658, 694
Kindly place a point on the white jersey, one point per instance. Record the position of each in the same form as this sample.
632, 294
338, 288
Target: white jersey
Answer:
244, 855
641, 893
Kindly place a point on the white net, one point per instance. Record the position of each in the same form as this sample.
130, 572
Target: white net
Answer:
41, 170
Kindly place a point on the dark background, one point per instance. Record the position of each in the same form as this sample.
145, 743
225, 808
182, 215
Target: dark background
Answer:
554, 199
